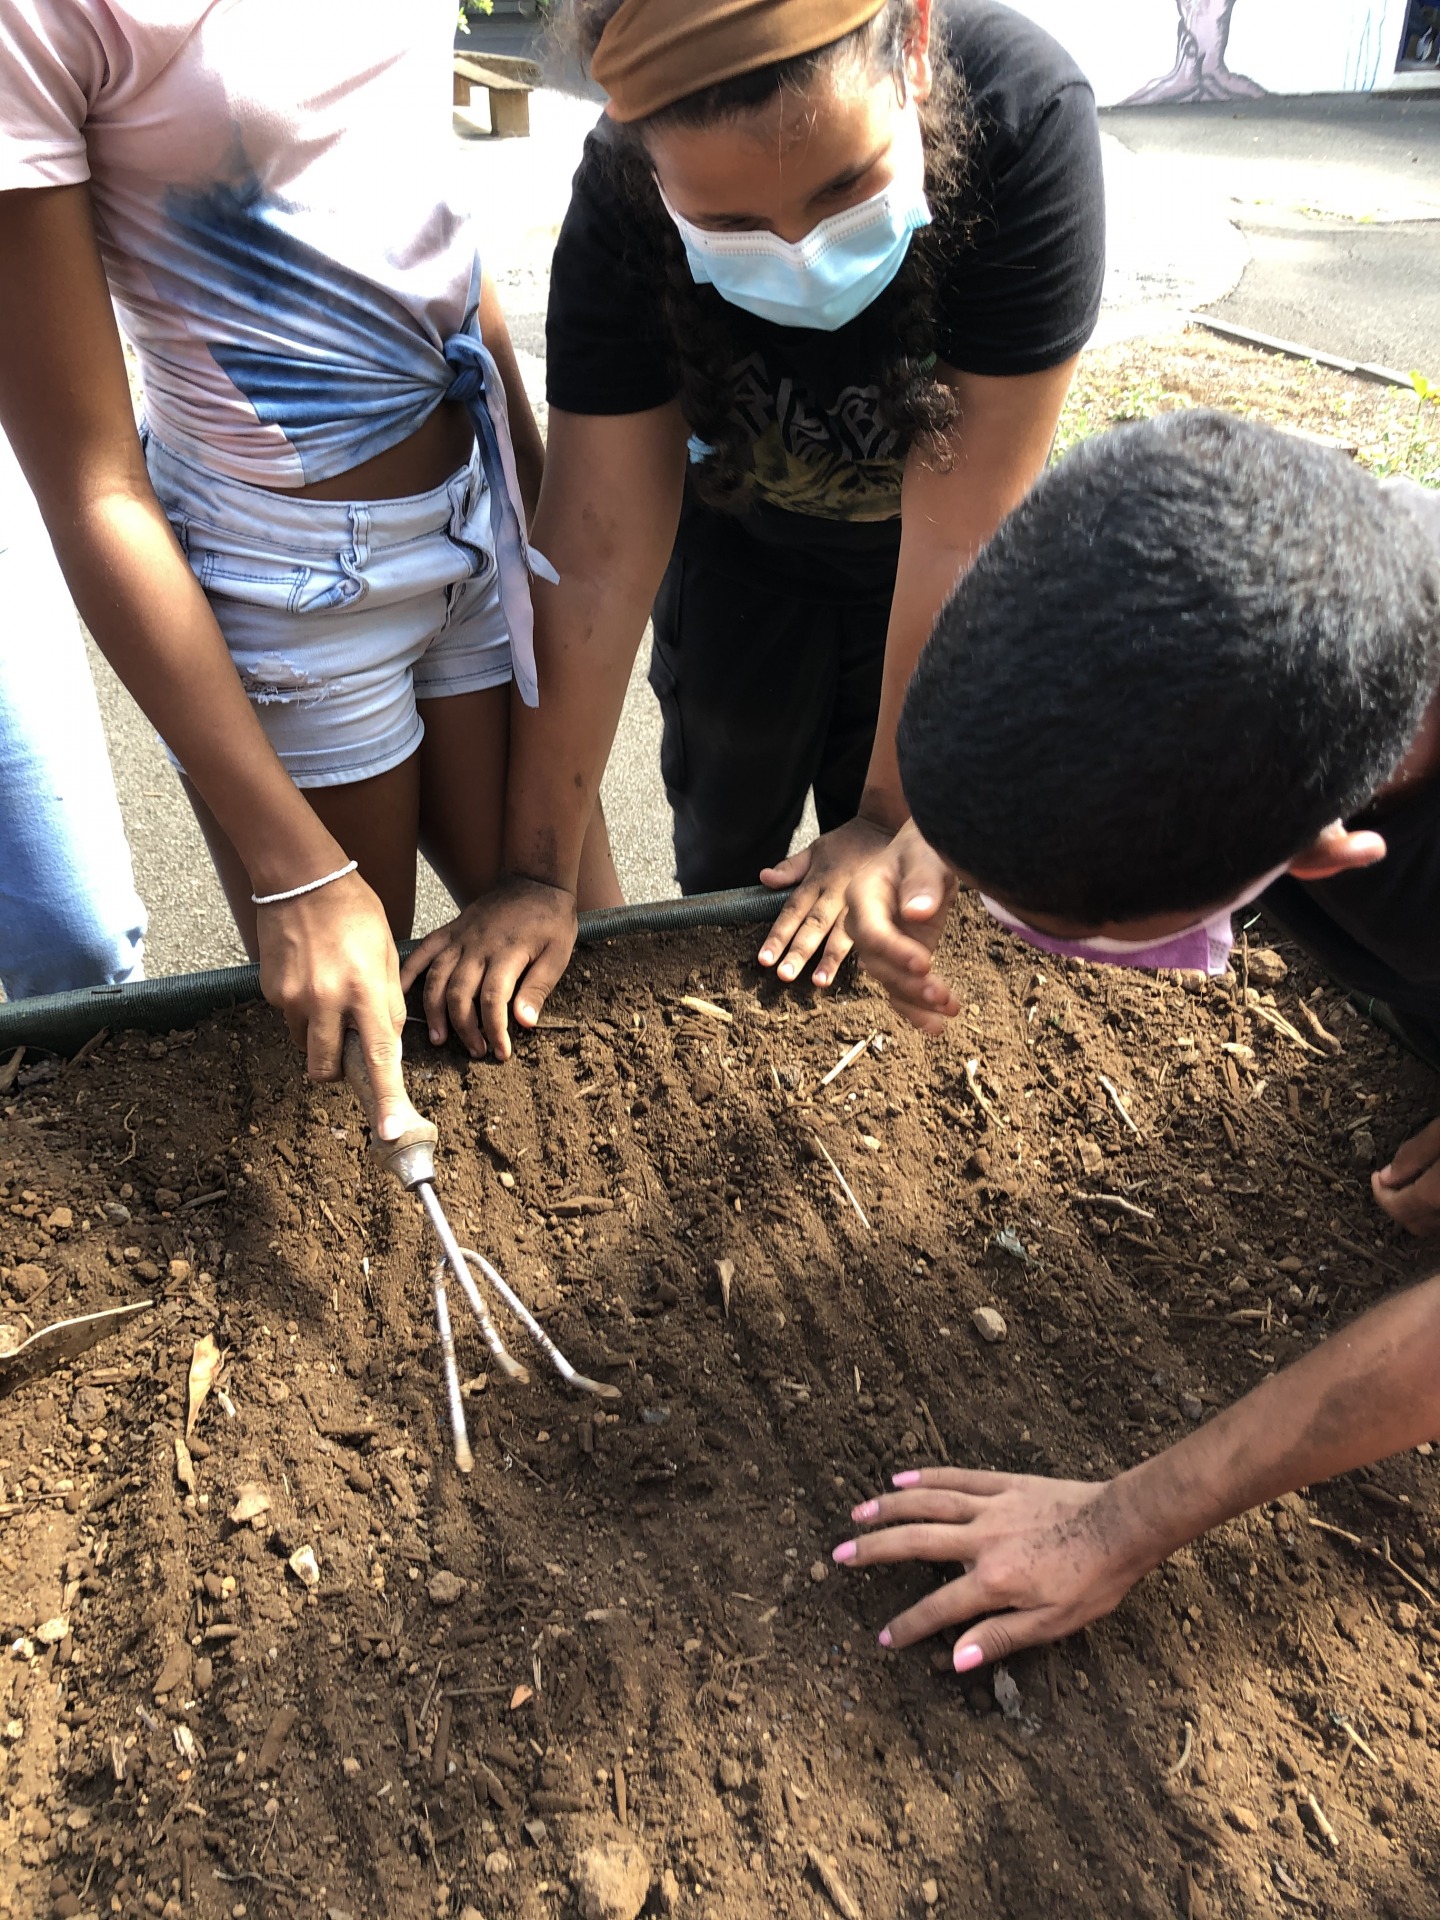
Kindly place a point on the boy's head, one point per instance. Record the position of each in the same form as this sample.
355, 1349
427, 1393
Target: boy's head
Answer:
1197, 644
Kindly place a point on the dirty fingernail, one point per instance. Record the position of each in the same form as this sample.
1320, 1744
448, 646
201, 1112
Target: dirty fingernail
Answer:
885, 1639
910, 1478
867, 1510
845, 1551
822, 979
922, 903
767, 956
968, 1658
526, 1011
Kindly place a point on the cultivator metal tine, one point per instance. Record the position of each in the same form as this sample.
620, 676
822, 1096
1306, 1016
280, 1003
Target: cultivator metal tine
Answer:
538, 1334
458, 1260
464, 1458
504, 1359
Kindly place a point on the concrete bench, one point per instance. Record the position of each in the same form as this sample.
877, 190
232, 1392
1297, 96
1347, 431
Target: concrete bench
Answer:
508, 81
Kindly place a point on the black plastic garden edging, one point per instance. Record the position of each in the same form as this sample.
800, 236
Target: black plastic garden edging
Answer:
63, 1022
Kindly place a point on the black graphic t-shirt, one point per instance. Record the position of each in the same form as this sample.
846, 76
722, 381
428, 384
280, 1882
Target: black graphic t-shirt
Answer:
1022, 260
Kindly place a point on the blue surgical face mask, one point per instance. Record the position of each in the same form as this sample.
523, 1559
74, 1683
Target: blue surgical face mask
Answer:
828, 278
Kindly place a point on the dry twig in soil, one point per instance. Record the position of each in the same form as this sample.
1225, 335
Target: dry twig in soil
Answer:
846, 1060
845, 1186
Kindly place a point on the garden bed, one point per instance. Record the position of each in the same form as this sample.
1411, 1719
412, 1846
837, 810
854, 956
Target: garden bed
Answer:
644, 1640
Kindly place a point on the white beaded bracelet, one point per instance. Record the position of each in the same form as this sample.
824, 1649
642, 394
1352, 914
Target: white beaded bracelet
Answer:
313, 886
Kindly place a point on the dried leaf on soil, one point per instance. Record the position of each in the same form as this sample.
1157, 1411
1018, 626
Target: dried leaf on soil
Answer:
205, 1363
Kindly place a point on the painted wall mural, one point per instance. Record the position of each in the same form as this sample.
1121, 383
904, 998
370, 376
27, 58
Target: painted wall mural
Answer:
1200, 72
1149, 52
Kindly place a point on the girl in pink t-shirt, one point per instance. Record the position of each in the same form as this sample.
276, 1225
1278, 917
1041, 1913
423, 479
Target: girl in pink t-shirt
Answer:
310, 566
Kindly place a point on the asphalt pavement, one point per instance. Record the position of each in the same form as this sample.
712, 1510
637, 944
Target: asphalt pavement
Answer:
1313, 220
1338, 201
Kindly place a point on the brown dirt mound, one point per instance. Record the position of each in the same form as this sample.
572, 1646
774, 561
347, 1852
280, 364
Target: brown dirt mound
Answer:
649, 1644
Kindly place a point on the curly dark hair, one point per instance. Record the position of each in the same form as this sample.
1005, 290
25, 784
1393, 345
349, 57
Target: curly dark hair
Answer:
705, 332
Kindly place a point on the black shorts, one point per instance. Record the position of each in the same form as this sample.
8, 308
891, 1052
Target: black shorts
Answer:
767, 667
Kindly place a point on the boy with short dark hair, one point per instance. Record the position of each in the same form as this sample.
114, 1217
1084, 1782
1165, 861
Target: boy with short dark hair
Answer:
1199, 666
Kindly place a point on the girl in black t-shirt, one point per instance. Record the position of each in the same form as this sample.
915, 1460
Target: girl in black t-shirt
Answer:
814, 311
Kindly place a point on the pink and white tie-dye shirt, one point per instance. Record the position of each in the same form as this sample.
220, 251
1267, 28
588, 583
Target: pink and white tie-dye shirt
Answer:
269, 182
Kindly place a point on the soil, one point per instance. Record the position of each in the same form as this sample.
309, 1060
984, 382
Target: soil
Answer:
1386, 429
625, 1626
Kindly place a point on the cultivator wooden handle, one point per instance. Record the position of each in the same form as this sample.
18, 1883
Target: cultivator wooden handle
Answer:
411, 1158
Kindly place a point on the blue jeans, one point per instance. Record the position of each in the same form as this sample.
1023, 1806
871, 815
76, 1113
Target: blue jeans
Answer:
69, 913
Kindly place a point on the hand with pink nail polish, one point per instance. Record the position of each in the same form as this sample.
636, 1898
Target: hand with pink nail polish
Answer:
1040, 1557
896, 911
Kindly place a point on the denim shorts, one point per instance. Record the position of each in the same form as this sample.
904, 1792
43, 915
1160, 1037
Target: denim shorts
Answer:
340, 615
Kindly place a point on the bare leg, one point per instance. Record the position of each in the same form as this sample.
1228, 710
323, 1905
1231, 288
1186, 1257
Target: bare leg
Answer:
1200, 72
599, 882
463, 761
462, 798
374, 820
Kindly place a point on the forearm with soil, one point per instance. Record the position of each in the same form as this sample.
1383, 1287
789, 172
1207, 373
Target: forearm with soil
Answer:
950, 506
1371, 1390
609, 508
524, 430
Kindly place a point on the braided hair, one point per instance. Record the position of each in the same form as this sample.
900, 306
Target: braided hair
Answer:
705, 335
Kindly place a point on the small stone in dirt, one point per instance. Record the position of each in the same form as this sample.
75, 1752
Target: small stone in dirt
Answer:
350, 1766
1092, 1162
27, 1279
305, 1567
930, 1892
1265, 967
1362, 1147
175, 1672
359, 1481
204, 1673
1242, 1819
60, 1220
499, 1863
166, 1197
1419, 1724
989, 1324
51, 1632
612, 1880
66, 1906
278, 1732
445, 1588
251, 1500
1193, 1407
669, 1892
730, 1773
819, 1571
147, 1270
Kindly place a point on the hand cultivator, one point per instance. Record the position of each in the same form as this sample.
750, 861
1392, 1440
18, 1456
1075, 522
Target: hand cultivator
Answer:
411, 1159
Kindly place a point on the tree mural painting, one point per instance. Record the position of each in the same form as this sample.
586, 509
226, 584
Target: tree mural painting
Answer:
1200, 72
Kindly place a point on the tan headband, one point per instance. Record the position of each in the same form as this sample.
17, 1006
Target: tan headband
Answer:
655, 52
